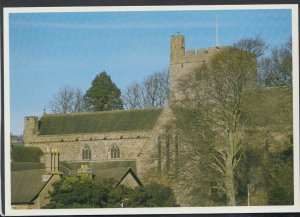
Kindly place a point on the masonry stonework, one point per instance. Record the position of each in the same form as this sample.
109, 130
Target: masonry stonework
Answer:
154, 150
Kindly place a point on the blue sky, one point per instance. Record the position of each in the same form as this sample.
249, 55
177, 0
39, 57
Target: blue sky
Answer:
51, 50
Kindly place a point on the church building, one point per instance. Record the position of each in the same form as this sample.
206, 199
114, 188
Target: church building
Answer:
136, 139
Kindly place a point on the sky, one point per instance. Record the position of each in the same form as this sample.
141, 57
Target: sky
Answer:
51, 50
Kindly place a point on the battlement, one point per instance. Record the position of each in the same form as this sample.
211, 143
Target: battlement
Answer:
180, 56
183, 62
199, 55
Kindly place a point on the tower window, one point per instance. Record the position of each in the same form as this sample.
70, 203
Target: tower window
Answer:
115, 152
86, 153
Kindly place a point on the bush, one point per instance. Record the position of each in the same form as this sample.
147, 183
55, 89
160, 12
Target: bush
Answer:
152, 195
279, 196
281, 182
82, 192
26, 154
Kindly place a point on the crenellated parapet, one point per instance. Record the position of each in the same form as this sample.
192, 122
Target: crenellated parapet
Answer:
180, 56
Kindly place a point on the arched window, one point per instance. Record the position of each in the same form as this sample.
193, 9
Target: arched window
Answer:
86, 153
115, 152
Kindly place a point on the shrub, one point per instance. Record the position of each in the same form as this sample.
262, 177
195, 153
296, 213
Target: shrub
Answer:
26, 154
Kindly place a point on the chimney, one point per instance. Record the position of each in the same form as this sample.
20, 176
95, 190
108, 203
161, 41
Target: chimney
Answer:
52, 160
84, 169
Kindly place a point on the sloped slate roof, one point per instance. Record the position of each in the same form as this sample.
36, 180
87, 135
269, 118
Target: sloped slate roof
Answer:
17, 166
117, 170
115, 173
94, 122
130, 171
101, 170
26, 185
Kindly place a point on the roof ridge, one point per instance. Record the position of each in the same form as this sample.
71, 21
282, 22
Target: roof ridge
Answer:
103, 112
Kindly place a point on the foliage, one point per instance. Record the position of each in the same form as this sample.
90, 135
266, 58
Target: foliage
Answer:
253, 160
153, 92
103, 95
274, 68
256, 46
281, 178
277, 68
82, 192
268, 107
68, 100
117, 196
214, 99
152, 195
25, 154
276, 175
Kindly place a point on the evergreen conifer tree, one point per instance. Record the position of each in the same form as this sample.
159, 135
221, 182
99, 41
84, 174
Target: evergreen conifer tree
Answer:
103, 95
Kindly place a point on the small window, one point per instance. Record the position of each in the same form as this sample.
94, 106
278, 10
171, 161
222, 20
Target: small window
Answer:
86, 153
115, 152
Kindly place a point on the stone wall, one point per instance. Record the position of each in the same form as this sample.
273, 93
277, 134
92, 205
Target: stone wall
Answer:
70, 146
182, 63
43, 198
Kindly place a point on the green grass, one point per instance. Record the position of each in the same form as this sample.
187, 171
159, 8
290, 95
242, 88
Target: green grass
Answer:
26, 154
93, 122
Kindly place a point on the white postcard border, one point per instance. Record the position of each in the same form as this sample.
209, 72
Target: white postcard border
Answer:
175, 210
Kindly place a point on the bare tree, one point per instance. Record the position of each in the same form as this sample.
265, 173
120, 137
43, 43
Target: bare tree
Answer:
277, 68
132, 97
67, 100
209, 117
256, 46
153, 92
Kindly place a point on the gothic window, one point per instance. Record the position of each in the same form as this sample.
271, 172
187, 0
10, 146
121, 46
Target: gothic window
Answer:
115, 152
86, 153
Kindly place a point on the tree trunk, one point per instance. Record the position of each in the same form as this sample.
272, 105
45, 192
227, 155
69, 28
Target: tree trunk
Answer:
229, 186
229, 175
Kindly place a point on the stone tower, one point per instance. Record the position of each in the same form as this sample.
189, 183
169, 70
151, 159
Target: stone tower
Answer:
182, 62
177, 48
30, 128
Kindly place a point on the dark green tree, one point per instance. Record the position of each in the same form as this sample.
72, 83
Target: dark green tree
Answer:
82, 192
281, 182
103, 95
151, 195
79, 192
